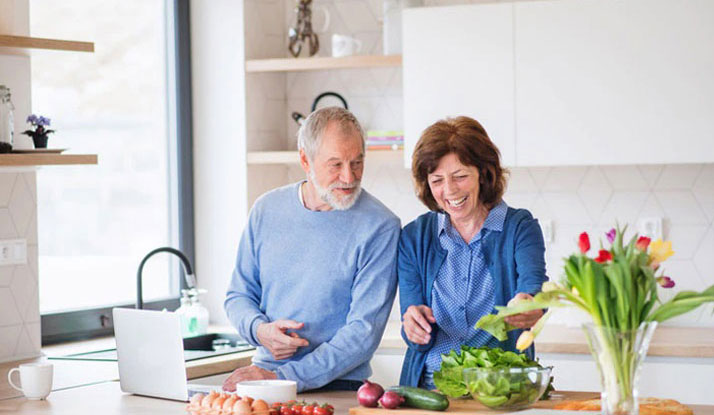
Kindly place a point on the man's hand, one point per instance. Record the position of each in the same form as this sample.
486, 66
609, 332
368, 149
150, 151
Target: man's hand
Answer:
523, 320
281, 344
251, 372
417, 325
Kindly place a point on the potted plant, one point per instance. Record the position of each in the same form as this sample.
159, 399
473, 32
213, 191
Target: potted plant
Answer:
39, 134
618, 289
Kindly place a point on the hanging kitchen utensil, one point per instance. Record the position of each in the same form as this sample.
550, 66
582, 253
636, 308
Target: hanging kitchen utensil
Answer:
300, 119
302, 32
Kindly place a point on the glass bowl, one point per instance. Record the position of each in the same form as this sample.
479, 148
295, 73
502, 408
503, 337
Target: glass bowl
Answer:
507, 388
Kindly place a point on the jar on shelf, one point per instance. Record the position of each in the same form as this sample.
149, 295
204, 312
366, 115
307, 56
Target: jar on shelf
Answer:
7, 128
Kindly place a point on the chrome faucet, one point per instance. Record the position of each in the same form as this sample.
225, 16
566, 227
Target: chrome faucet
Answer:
188, 271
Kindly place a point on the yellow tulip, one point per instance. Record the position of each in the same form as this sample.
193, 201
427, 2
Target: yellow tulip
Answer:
660, 251
524, 340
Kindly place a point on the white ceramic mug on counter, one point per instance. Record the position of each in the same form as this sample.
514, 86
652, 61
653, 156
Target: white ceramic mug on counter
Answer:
35, 379
343, 45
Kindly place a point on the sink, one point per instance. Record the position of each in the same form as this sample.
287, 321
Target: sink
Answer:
194, 348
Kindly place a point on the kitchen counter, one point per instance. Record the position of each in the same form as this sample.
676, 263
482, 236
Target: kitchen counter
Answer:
666, 341
106, 398
73, 373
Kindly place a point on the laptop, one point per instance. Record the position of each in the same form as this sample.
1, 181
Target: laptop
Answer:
150, 355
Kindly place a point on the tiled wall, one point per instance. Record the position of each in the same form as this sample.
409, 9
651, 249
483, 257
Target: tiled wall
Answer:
576, 199
19, 294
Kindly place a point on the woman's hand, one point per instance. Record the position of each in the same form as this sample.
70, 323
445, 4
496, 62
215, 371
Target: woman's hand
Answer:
523, 320
417, 323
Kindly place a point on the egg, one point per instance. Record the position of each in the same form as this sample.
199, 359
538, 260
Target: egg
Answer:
241, 407
208, 400
218, 402
228, 403
260, 406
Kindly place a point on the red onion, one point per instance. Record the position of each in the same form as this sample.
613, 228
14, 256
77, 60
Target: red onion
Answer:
369, 393
391, 400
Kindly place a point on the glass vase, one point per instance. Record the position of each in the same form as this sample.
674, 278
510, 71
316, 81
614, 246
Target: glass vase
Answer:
619, 355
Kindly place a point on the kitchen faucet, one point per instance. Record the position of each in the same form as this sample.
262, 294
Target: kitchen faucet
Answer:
188, 271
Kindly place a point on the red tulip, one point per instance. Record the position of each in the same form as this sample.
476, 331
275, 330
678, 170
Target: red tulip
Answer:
642, 243
584, 242
603, 256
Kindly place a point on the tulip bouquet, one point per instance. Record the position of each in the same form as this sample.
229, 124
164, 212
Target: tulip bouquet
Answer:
618, 289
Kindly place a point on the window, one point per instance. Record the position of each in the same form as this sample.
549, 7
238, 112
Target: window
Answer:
96, 223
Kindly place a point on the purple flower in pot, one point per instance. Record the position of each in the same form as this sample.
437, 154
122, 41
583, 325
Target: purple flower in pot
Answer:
39, 134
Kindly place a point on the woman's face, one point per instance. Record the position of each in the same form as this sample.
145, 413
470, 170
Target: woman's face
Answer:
455, 188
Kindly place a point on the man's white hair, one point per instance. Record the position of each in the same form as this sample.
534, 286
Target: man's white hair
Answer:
310, 133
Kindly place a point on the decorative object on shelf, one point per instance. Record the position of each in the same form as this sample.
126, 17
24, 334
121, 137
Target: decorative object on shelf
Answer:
302, 31
385, 140
343, 45
7, 129
618, 289
392, 32
299, 118
39, 134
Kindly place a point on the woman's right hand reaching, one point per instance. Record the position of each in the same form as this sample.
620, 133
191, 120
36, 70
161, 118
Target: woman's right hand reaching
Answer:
417, 323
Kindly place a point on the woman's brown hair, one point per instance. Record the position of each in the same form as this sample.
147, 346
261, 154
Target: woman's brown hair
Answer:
468, 140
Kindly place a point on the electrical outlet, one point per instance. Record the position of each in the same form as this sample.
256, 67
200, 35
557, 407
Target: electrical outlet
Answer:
13, 252
650, 227
548, 233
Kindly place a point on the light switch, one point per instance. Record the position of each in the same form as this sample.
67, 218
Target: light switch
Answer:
650, 227
13, 252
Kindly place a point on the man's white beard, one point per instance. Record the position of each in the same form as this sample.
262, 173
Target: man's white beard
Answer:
335, 202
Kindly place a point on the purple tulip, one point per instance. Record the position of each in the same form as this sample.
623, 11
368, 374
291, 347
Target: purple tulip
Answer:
32, 119
665, 282
611, 235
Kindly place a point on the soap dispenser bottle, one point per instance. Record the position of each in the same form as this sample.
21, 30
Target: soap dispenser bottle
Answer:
199, 313
184, 311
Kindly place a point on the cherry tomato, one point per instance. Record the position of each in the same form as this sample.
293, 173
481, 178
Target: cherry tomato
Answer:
286, 410
324, 409
297, 408
308, 410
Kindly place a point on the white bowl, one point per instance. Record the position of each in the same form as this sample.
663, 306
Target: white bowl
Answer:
268, 390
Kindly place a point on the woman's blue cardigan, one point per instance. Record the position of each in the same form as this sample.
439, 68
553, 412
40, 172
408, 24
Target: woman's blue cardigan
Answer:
516, 261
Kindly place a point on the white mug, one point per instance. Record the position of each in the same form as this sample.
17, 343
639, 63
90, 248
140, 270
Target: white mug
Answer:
343, 45
35, 379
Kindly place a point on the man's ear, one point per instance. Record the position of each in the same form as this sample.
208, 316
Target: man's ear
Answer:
304, 162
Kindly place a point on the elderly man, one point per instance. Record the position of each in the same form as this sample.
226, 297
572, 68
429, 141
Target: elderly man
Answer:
315, 275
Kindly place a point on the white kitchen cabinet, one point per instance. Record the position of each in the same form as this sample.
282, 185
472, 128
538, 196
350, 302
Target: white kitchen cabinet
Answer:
459, 61
614, 82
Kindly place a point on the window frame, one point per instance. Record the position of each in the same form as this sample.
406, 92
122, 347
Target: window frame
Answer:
96, 322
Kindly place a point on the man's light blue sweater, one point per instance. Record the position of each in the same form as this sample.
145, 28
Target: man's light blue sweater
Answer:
334, 270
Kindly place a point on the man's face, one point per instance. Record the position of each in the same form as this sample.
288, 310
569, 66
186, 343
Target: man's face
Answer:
337, 168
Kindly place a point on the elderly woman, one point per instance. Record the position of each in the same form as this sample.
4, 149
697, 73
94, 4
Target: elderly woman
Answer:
469, 254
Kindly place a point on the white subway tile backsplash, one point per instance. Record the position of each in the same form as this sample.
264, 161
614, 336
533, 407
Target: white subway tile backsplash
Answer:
681, 207
519, 180
678, 176
703, 191
704, 256
7, 182
8, 308
651, 173
19, 299
567, 207
357, 16
686, 240
623, 207
539, 175
7, 226
625, 178
564, 179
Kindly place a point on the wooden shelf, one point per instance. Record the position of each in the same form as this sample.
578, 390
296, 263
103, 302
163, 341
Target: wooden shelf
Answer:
25, 42
316, 64
8, 160
291, 157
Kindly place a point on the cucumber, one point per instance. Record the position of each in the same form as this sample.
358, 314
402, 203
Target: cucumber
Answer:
421, 398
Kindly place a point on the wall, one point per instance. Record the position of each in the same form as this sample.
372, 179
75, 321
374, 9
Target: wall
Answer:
218, 143
19, 294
